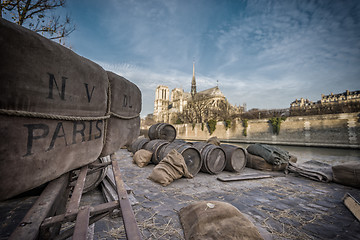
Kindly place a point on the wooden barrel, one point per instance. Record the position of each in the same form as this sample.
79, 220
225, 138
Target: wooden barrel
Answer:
138, 144
236, 157
163, 131
213, 157
155, 146
94, 179
190, 154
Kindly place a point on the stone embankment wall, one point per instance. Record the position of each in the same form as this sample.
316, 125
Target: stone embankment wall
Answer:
332, 130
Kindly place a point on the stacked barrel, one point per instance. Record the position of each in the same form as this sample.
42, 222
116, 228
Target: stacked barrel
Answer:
199, 156
58, 110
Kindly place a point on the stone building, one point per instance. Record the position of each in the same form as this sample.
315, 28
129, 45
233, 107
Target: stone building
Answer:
340, 98
195, 106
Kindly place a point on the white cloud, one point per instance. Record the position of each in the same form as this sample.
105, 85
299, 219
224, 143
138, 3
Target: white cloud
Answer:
265, 53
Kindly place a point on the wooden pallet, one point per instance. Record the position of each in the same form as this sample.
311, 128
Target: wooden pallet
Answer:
50, 211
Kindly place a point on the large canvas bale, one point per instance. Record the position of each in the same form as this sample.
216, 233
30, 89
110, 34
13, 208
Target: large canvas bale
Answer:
259, 163
272, 154
347, 174
52, 104
125, 105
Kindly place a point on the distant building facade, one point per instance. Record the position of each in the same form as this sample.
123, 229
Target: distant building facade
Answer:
182, 105
340, 98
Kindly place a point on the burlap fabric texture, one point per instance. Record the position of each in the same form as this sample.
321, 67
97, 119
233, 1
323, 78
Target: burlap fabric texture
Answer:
259, 163
214, 140
312, 169
216, 220
170, 168
53, 110
271, 154
142, 157
347, 174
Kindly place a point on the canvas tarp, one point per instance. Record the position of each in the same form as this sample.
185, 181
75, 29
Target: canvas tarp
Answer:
271, 154
312, 169
347, 174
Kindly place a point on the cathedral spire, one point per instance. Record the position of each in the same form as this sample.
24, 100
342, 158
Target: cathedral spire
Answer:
193, 82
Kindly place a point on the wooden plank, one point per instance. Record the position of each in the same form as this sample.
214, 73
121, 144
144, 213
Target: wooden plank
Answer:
30, 225
111, 179
130, 224
50, 233
94, 210
116, 212
82, 223
76, 196
244, 177
68, 232
110, 190
91, 231
352, 204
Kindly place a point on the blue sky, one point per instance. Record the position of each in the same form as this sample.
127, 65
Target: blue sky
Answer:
263, 53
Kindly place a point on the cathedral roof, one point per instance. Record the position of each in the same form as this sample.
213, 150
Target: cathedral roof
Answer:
215, 91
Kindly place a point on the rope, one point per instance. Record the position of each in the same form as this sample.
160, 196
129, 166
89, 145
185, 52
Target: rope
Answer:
124, 117
19, 113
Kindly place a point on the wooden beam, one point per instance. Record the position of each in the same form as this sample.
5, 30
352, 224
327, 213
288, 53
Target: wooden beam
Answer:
68, 232
76, 195
30, 225
95, 210
130, 224
244, 177
82, 223
352, 204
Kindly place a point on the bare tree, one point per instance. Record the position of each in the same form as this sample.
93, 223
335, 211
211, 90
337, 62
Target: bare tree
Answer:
39, 16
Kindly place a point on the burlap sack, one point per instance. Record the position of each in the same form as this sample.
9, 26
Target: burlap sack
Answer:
42, 84
214, 140
259, 163
216, 220
125, 105
170, 168
347, 174
142, 157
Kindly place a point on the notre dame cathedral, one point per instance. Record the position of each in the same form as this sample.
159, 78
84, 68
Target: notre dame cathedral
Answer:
193, 107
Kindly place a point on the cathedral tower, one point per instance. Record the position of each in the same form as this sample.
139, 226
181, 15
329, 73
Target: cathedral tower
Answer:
193, 82
161, 103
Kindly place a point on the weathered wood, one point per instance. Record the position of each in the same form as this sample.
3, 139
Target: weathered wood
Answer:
108, 198
244, 177
60, 208
97, 167
29, 226
76, 196
352, 204
91, 229
130, 224
110, 178
82, 223
95, 210
68, 232
111, 191
163, 131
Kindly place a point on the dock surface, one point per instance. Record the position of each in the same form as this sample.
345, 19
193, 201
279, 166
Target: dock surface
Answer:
282, 207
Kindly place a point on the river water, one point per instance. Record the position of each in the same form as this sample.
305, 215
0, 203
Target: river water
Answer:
332, 156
